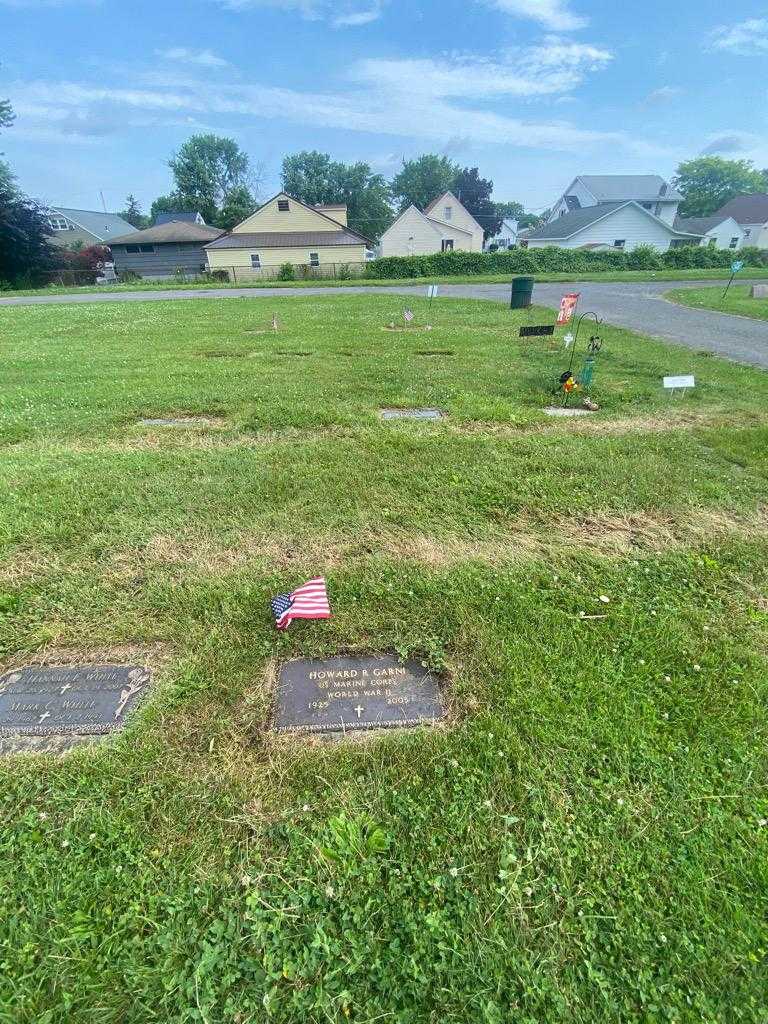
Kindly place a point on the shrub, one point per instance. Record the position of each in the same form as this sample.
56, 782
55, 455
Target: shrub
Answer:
554, 260
219, 275
127, 276
286, 273
344, 273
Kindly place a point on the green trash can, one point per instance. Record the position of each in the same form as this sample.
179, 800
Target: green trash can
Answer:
522, 292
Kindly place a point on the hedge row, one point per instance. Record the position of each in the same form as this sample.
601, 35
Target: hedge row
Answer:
551, 259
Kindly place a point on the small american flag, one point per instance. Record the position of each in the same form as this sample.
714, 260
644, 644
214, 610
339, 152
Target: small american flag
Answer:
309, 601
408, 315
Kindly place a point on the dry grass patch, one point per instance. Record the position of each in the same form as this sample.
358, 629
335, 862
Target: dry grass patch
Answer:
604, 533
154, 656
610, 427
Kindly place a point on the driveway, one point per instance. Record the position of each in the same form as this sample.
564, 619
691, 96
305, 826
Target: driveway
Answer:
637, 305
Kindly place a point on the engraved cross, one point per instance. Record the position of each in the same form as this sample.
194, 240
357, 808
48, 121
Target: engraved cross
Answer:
359, 710
65, 687
43, 717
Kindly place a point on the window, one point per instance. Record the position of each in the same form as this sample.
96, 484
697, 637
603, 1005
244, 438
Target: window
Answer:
59, 224
712, 243
283, 205
448, 212
679, 243
747, 232
255, 261
734, 243
314, 259
139, 248
447, 245
619, 243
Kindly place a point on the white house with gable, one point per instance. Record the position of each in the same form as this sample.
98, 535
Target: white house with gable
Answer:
616, 211
444, 226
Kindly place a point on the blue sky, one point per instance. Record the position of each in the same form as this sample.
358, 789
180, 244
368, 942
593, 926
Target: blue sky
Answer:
531, 91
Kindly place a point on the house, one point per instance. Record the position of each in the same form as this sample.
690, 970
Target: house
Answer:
751, 213
444, 226
186, 216
650, 191
506, 236
716, 231
286, 230
164, 250
85, 227
617, 225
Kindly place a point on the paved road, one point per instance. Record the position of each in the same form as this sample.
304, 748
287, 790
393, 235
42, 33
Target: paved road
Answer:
637, 305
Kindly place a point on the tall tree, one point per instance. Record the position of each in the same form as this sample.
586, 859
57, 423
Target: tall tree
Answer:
510, 211
314, 178
132, 213
7, 116
26, 252
238, 204
421, 180
708, 182
206, 169
474, 194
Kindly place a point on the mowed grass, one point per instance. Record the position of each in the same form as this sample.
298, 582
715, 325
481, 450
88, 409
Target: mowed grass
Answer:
738, 300
710, 274
586, 840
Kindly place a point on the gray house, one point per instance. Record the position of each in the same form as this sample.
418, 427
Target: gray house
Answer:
84, 227
164, 250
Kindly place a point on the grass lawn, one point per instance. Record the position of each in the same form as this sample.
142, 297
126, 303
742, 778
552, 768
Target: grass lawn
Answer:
737, 300
624, 275
586, 842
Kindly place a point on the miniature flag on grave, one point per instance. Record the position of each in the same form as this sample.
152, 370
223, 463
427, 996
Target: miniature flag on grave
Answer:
568, 305
310, 601
407, 315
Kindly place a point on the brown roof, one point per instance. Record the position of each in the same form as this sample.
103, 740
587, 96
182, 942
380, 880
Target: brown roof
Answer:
285, 239
173, 231
751, 209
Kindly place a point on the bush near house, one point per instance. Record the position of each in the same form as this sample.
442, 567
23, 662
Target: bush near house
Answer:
554, 260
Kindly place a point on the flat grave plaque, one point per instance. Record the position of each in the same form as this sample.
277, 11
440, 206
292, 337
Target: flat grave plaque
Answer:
412, 414
49, 700
567, 410
538, 331
348, 693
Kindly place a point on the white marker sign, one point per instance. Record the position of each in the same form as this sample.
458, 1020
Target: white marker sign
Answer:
432, 291
680, 382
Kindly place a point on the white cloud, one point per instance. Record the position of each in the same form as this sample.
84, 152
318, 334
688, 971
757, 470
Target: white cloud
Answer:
551, 68
427, 101
555, 15
204, 58
663, 94
340, 13
748, 38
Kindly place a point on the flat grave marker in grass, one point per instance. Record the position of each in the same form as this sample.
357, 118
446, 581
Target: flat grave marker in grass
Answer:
759, 291
412, 414
347, 693
71, 700
566, 410
434, 352
180, 421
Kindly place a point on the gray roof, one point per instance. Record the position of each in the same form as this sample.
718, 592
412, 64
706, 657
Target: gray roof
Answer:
174, 231
750, 209
643, 188
570, 223
188, 216
104, 226
285, 239
697, 225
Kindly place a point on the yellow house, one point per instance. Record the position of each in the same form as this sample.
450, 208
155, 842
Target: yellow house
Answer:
315, 239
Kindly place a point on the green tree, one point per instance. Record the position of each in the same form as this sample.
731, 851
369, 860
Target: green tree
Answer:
7, 116
474, 194
132, 213
206, 169
708, 182
314, 178
238, 204
510, 211
422, 180
26, 252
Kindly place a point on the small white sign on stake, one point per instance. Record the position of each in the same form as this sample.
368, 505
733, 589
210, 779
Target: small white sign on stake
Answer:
432, 291
681, 383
